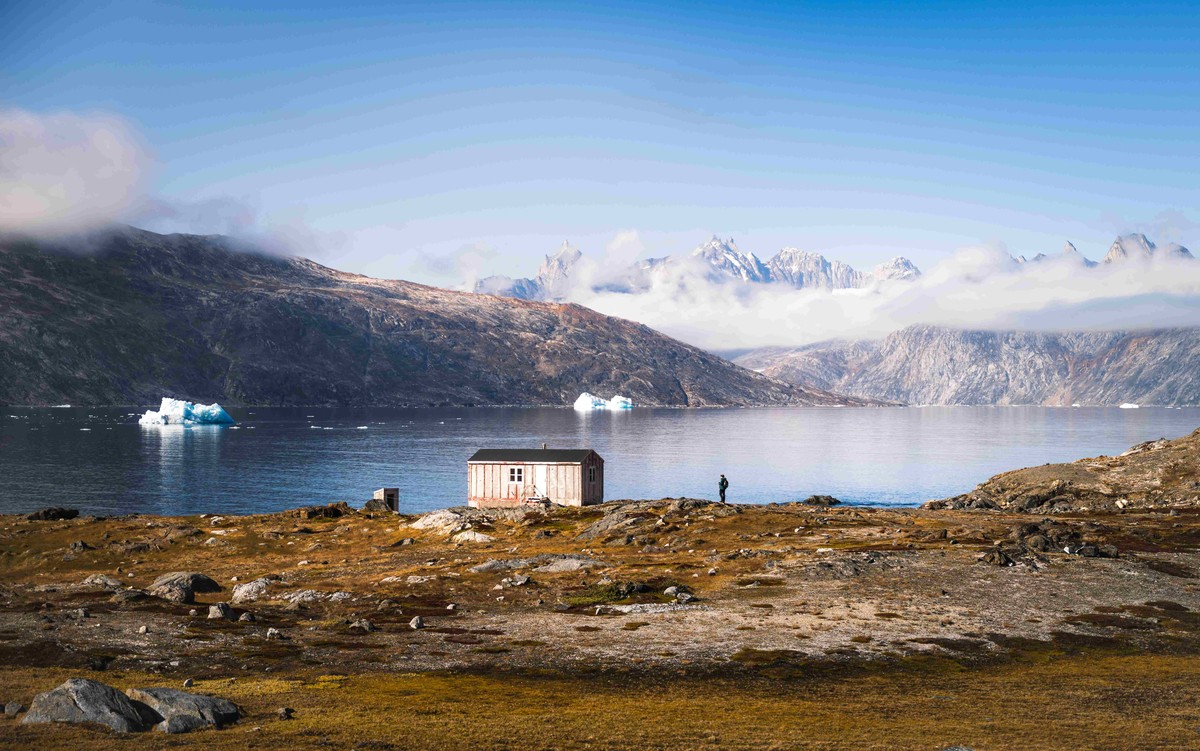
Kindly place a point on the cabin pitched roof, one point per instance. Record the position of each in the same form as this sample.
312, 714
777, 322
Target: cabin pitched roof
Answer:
532, 456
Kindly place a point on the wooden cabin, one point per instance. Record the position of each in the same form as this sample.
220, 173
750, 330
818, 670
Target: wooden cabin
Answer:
514, 477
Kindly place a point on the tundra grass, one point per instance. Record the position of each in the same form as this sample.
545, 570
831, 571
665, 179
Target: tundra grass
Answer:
1096, 701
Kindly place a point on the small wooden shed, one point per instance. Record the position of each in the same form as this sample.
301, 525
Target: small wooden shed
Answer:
513, 477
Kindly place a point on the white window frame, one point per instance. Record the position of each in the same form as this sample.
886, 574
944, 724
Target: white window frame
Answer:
516, 475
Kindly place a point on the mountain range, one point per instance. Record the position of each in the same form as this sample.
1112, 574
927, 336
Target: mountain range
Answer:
939, 365
128, 316
721, 261
717, 260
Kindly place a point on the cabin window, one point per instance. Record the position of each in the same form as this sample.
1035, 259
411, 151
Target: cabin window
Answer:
516, 474
591, 474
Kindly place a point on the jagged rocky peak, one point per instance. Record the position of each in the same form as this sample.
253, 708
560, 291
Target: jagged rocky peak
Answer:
554, 274
1138, 246
897, 268
725, 257
801, 268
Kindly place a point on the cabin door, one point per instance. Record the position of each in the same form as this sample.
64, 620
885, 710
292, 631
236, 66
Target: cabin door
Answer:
539, 479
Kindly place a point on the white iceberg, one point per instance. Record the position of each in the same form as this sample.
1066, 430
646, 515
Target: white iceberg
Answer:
620, 402
179, 412
1129, 405
589, 402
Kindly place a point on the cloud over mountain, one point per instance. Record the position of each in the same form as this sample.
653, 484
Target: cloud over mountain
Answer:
66, 172
722, 298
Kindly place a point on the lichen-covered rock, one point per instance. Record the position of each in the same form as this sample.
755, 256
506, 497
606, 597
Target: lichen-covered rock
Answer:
250, 591
182, 586
80, 700
182, 712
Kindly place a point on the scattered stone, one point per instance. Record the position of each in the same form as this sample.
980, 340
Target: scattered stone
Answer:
13, 708
143, 629
182, 712
363, 625
220, 610
189, 683
471, 535
80, 613
997, 557
417, 622
53, 514
81, 700
246, 618
274, 633
102, 580
565, 565
285, 713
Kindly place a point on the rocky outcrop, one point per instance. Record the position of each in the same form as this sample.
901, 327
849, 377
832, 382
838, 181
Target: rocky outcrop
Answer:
182, 586
135, 315
938, 365
1155, 474
80, 700
182, 712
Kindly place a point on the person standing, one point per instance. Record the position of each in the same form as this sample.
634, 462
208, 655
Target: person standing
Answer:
722, 486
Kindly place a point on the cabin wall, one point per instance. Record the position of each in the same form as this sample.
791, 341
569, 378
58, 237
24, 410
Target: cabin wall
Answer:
566, 484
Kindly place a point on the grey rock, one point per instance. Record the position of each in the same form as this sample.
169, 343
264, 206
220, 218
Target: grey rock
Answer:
285, 713
220, 610
182, 712
189, 683
80, 700
13, 708
363, 625
274, 633
102, 580
182, 586
250, 591
247, 618
417, 622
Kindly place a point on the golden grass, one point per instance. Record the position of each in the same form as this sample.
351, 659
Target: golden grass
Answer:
1084, 702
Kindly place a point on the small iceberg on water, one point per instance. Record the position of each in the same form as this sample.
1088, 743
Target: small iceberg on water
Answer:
1129, 405
589, 402
179, 412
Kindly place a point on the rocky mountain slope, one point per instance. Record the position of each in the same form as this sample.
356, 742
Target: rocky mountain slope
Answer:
1155, 474
937, 365
141, 315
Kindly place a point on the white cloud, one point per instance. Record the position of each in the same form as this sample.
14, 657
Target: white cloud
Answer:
977, 287
65, 172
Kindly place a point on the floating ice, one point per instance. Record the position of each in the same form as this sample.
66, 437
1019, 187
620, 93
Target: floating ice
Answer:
179, 412
588, 402
620, 402
1129, 405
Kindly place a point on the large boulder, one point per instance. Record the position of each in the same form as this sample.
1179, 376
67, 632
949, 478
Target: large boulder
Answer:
182, 712
182, 586
81, 700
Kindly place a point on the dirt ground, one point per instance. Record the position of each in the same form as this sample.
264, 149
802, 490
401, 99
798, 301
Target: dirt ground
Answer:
652, 624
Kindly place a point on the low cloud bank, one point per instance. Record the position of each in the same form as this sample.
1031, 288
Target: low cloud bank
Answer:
975, 288
64, 172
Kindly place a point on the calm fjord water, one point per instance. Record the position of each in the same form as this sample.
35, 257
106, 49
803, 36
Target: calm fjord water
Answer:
102, 462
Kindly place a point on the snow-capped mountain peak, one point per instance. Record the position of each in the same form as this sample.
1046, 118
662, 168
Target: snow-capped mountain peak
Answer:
725, 258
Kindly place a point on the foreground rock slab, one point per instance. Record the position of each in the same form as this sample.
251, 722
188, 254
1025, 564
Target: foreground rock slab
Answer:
182, 712
80, 700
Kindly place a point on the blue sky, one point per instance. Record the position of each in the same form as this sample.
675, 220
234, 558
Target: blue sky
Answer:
401, 134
